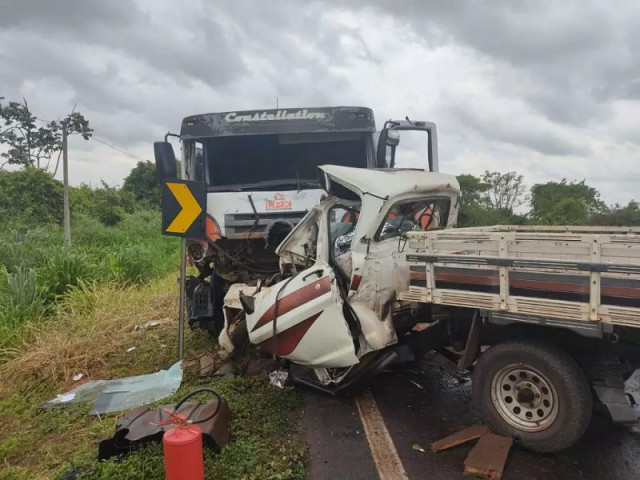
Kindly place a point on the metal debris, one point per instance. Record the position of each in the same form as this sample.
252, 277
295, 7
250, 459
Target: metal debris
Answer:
110, 396
278, 378
421, 387
143, 425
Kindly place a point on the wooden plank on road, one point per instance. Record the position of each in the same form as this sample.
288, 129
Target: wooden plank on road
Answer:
487, 458
463, 436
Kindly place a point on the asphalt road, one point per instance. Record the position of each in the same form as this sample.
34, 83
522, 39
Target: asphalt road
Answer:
339, 448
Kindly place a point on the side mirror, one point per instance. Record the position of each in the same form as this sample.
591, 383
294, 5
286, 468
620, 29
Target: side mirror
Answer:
248, 304
166, 165
388, 139
393, 138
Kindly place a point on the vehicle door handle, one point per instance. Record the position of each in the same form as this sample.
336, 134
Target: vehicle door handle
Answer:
315, 272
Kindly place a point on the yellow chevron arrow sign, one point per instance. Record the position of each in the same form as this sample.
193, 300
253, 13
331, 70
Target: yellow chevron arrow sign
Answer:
179, 222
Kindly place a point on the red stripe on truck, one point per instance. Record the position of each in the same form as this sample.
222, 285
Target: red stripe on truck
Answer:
286, 341
295, 299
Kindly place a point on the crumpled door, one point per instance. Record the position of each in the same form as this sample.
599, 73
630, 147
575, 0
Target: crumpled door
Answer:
301, 319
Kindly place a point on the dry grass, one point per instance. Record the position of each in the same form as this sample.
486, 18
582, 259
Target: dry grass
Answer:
89, 326
90, 333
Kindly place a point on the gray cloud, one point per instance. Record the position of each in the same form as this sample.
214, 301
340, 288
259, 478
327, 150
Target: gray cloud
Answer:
569, 57
537, 80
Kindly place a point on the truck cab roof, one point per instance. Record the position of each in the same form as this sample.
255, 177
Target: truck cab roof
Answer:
278, 121
383, 183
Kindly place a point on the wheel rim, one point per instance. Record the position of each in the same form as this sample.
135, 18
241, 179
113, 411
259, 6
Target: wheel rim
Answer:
524, 397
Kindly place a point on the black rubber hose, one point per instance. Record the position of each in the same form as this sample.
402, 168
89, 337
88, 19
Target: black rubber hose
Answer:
194, 392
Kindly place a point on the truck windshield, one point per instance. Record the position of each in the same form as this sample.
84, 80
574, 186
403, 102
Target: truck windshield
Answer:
262, 162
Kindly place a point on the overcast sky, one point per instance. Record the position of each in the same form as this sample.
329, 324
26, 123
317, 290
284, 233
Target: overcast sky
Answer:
550, 89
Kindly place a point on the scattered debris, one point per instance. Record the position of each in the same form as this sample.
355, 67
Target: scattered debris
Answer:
417, 447
143, 425
130, 349
225, 371
420, 326
261, 367
207, 363
278, 378
148, 325
488, 457
110, 396
421, 387
73, 473
77, 376
463, 436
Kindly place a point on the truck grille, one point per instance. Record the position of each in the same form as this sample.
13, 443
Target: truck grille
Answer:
240, 225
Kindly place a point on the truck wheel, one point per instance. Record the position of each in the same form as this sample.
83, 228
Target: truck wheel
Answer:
533, 392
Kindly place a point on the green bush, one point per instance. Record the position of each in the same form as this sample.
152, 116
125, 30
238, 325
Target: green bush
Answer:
31, 196
66, 269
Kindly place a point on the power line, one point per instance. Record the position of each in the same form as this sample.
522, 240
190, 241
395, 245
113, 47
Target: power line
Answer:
93, 137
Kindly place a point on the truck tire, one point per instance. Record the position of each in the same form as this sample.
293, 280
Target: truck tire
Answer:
534, 392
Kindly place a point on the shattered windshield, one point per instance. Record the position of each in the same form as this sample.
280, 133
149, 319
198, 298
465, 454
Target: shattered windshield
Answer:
265, 162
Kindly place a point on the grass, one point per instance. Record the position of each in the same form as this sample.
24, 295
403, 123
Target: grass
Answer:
65, 311
89, 330
37, 271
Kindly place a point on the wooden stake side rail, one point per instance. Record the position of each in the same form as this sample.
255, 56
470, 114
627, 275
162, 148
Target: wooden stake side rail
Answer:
582, 273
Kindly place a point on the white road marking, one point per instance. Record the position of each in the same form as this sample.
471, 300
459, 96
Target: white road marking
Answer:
382, 448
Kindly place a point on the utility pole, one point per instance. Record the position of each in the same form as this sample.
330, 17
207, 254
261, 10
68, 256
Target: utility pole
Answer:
65, 174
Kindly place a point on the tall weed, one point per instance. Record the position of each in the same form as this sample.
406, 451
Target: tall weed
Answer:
20, 301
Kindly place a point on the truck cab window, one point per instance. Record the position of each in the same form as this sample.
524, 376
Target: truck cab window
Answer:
342, 224
423, 214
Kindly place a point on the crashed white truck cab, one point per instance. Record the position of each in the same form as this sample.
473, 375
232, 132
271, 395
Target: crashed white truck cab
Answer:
547, 318
339, 270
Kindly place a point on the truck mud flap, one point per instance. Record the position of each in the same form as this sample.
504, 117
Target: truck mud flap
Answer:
617, 403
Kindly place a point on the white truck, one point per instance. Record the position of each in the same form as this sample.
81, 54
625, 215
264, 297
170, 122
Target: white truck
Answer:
546, 317
260, 167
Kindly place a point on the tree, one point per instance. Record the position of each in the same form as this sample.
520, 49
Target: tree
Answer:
505, 191
478, 206
619, 216
563, 203
473, 206
29, 144
30, 196
143, 183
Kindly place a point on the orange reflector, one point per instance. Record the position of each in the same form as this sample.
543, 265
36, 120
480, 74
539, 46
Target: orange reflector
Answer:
212, 229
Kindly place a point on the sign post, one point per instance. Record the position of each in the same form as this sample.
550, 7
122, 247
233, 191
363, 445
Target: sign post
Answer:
184, 207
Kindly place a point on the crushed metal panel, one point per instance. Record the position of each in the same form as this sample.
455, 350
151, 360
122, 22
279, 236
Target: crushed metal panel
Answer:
390, 183
488, 457
142, 425
463, 436
111, 396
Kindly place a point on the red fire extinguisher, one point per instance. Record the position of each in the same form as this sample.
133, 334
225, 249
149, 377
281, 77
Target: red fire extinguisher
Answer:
182, 444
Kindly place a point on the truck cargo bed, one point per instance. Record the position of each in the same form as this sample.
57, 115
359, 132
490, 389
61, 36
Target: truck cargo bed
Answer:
582, 274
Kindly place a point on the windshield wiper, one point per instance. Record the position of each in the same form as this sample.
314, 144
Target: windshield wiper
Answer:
293, 182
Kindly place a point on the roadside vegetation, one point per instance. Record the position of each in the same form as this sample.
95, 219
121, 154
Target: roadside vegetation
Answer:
495, 198
73, 310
